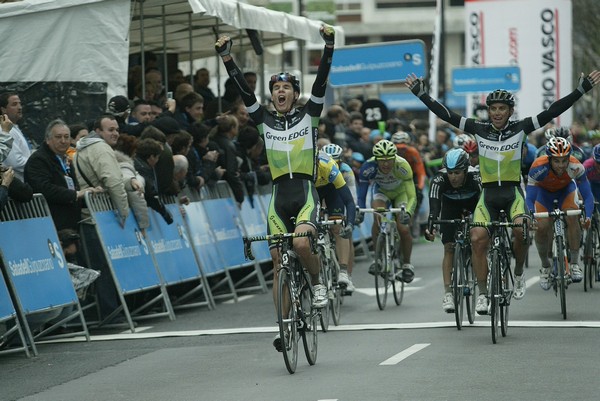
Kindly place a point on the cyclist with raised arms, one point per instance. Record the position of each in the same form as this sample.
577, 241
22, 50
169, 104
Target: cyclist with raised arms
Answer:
332, 188
501, 145
558, 176
393, 185
454, 189
290, 136
344, 247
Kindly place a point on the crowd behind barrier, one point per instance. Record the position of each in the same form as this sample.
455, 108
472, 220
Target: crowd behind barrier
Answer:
201, 248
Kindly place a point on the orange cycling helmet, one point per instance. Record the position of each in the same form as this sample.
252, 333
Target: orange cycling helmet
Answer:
558, 147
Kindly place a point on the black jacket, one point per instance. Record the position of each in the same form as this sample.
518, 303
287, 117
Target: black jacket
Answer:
45, 174
229, 161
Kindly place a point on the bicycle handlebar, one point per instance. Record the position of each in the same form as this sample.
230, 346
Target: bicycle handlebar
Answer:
558, 213
382, 210
271, 237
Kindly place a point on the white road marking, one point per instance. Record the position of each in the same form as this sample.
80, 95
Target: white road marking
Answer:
242, 298
371, 291
400, 356
358, 327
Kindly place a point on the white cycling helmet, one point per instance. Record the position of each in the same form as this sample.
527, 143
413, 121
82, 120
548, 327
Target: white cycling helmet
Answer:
401, 137
334, 150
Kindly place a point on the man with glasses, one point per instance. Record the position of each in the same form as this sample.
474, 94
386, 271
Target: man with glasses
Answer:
392, 180
290, 135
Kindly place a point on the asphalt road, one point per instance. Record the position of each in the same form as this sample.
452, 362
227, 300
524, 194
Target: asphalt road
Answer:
407, 352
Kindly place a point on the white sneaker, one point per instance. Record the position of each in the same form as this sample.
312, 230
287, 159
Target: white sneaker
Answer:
519, 290
320, 299
343, 279
576, 273
350, 287
448, 303
544, 278
481, 307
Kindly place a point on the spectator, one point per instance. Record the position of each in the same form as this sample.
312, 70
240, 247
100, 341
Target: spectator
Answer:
201, 85
254, 169
204, 155
49, 172
97, 167
132, 180
191, 109
251, 79
6, 140
10, 105
223, 134
148, 152
119, 107
77, 131
239, 111
140, 113
162, 129
354, 136
13, 188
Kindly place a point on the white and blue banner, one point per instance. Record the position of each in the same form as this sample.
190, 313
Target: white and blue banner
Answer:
172, 248
128, 252
203, 239
35, 264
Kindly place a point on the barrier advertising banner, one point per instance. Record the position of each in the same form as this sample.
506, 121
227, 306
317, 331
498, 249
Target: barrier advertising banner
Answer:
40, 274
203, 239
127, 252
534, 35
172, 247
6, 306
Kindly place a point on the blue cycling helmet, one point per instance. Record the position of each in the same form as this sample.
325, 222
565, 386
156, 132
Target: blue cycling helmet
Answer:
596, 153
455, 159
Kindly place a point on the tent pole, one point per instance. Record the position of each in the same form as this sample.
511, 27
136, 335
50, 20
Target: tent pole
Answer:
190, 49
219, 103
262, 73
165, 64
142, 50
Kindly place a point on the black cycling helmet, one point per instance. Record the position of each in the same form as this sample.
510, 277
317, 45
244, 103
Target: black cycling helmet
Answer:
284, 77
500, 96
455, 159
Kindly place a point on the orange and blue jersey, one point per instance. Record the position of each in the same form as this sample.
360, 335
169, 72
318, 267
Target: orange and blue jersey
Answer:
544, 185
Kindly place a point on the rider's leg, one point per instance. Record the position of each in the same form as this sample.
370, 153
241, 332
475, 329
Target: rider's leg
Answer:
480, 241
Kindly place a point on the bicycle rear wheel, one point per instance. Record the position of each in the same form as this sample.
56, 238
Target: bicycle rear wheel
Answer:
494, 293
326, 280
470, 287
397, 285
589, 258
287, 318
458, 281
561, 280
506, 286
309, 317
381, 271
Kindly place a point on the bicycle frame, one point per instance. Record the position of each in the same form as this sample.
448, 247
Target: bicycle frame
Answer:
560, 277
295, 315
329, 270
386, 247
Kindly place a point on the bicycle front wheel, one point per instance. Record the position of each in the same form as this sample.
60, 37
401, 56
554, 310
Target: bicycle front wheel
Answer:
470, 289
589, 258
327, 281
458, 284
287, 318
382, 270
494, 293
560, 275
336, 302
397, 285
309, 318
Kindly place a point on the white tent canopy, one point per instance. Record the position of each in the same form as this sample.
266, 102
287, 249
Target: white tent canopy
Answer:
190, 27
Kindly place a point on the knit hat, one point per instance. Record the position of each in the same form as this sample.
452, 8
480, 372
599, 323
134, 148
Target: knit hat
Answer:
168, 125
248, 137
118, 105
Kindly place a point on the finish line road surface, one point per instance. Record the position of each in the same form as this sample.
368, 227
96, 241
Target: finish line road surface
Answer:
407, 352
